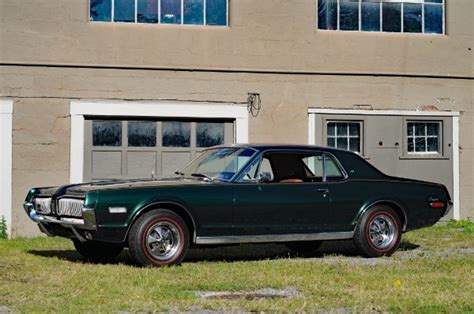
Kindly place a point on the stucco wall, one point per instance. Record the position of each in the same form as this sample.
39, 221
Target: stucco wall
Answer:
41, 123
263, 34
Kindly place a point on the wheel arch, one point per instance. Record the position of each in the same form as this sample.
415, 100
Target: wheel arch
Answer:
175, 207
396, 206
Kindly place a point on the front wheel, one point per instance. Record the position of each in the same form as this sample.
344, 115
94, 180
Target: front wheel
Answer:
378, 232
98, 251
159, 237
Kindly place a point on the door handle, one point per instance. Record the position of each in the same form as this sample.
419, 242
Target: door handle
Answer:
323, 190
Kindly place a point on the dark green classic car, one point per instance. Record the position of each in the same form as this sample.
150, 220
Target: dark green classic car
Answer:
297, 195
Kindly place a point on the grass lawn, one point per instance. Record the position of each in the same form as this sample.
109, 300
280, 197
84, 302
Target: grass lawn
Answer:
432, 272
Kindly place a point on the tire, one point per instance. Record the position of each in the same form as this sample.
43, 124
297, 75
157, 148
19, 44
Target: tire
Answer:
158, 238
98, 251
303, 247
378, 232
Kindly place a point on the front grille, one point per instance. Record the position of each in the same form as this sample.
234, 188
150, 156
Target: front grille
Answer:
43, 205
70, 207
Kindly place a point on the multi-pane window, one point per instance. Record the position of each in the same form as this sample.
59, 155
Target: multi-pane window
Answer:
189, 12
344, 135
423, 137
114, 133
406, 16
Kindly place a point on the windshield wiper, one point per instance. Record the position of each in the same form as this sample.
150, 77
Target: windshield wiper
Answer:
201, 175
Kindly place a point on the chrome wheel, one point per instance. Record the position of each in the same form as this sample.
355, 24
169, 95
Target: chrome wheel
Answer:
163, 240
382, 231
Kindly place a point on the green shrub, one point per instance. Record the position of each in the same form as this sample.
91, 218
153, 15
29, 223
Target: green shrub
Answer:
465, 224
3, 229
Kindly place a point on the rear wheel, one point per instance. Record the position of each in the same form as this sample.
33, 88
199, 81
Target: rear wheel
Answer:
98, 251
159, 237
303, 247
378, 232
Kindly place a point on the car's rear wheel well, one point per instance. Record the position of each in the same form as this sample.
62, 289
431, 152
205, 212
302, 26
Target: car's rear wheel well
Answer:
398, 210
178, 209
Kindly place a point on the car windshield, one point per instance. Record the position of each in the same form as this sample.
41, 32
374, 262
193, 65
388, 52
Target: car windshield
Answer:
218, 163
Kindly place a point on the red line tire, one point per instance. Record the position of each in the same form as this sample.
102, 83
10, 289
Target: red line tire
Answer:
378, 232
158, 238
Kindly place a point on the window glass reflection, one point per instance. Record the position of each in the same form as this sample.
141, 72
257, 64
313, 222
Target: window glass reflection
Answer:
391, 15
147, 11
216, 12
349, 15
412, 18
101, 10
170, 12
124, 11
176, 134
106, 133
327, 14
433, 19
141, 134
193, 12
370, 15
209, 134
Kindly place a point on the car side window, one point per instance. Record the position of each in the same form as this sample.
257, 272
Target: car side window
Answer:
314, 167
258, 167
333, 172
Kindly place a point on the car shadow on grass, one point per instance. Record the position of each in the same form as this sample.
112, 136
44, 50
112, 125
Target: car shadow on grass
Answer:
244, 252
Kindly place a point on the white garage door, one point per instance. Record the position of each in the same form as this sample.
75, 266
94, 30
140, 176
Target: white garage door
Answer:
138, 148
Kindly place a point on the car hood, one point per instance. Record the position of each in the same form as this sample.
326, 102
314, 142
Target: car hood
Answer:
83, 188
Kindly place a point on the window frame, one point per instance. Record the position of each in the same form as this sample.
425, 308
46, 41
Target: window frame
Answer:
361, 123
421, 2
424, 155
112, 15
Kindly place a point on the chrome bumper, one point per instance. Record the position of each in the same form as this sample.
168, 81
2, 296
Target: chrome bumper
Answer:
448, 208
88, 222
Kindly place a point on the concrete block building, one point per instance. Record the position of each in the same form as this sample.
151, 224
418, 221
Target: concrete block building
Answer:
100, 89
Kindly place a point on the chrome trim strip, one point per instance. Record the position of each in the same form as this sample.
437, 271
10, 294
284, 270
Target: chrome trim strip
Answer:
275, 238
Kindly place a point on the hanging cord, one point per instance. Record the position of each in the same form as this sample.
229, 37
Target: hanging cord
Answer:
254, 104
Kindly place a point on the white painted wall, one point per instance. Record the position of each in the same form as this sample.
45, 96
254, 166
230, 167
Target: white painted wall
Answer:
6, 115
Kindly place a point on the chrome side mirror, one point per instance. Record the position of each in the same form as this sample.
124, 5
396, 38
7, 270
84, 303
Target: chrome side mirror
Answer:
264, 177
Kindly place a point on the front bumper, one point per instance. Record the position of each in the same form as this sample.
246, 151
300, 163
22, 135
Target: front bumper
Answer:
88, 221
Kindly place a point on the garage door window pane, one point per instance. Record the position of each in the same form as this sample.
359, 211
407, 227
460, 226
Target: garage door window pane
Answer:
209, 134
327, 14
423, 137
176, 134
141, 134
107, 133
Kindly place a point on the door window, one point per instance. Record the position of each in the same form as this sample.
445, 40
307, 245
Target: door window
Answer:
345, 135
423, 137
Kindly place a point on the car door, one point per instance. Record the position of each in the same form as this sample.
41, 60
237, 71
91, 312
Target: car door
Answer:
294, 201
